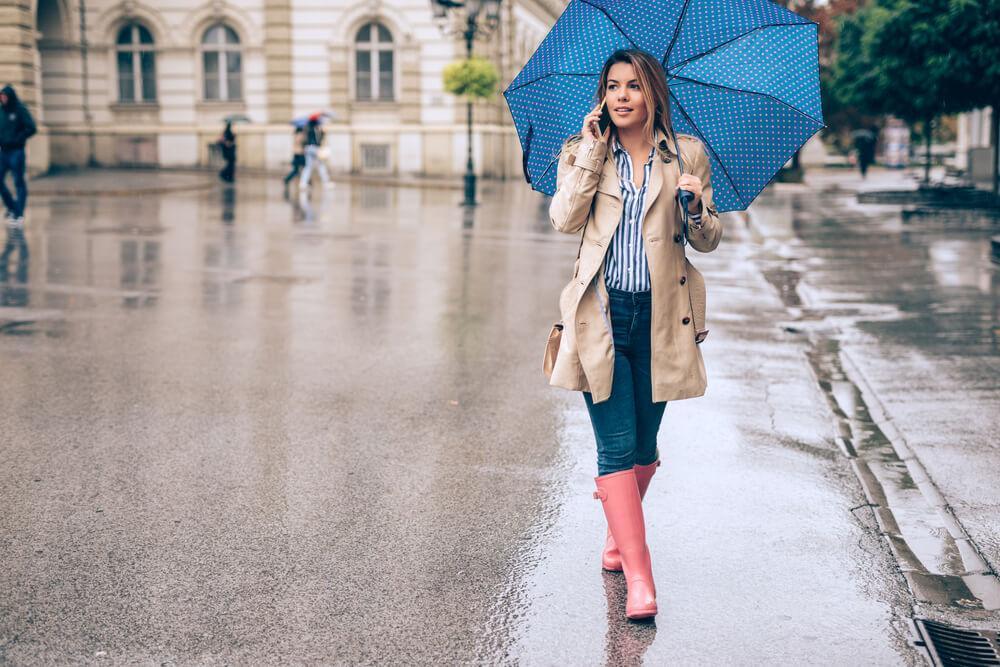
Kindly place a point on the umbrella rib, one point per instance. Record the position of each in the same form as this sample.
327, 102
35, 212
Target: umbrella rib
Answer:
677, 32
613, 22
730, 41
709, 148
551, 162
751, 92
528, 83
589, 3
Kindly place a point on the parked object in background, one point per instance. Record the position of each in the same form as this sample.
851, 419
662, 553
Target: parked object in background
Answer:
896, 144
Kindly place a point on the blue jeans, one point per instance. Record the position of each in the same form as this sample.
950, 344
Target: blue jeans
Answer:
14, 162
626, 424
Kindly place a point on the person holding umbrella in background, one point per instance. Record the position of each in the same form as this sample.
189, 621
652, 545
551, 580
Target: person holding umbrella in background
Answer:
865, 141
227, 146
314, 136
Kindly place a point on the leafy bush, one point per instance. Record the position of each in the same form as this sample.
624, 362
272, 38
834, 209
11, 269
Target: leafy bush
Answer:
473, 78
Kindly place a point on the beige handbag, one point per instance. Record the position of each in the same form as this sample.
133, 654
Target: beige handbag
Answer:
555, 334
552, 349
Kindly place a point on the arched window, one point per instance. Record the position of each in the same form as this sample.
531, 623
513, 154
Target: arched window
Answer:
373, 63
136, 65
221, 64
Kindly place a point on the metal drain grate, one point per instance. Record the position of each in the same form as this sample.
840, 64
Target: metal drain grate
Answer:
959, 646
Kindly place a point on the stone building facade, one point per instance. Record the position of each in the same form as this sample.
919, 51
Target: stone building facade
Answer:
148, 82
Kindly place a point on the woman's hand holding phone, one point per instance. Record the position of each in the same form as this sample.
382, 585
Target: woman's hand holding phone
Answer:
592, 125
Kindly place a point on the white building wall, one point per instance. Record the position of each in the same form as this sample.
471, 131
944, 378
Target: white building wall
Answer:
423, 126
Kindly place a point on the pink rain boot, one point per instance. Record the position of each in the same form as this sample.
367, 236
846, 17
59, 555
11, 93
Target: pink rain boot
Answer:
619, 496
611, 560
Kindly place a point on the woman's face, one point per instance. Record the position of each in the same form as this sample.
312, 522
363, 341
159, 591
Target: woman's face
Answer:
624, 97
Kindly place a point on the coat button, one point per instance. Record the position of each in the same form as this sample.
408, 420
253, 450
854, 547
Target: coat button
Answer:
686, 320
683, 279
677, 238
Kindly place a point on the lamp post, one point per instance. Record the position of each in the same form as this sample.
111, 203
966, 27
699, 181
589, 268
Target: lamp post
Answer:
481, 18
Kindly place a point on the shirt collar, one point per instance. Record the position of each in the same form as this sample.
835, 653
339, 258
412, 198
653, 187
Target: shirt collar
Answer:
619, 150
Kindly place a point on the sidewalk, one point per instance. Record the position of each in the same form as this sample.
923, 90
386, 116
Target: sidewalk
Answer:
115, 182
120, 182
901, 317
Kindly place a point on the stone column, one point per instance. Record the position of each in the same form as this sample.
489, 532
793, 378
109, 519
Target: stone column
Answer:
17, 49
278, 56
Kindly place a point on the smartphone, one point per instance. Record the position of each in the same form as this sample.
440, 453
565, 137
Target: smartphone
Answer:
605, 120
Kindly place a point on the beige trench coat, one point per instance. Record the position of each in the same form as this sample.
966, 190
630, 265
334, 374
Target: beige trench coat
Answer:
588, 193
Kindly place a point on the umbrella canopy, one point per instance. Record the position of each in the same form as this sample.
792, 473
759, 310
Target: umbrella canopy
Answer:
237, 118
321, 116
743, 76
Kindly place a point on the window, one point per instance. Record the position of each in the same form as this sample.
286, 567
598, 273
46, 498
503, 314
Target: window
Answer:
136, 55
375, 157
374, 68
221, 64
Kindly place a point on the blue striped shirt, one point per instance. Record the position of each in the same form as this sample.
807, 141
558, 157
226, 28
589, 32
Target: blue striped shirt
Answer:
625, 266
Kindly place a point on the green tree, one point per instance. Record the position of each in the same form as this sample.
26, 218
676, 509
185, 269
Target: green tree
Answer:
919, 59
975, 28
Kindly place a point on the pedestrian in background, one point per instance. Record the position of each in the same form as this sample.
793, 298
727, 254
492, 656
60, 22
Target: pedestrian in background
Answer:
630, 338
16, 127
865, 141
314, 136
298, 156
227, 144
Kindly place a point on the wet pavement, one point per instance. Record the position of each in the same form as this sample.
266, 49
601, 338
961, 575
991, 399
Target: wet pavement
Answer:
239, 429
901, 311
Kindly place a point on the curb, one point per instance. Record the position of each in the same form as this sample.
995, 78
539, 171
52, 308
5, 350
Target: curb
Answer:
210, 183
69, 192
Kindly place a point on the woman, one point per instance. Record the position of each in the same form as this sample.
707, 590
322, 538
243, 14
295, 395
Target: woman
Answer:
630, 342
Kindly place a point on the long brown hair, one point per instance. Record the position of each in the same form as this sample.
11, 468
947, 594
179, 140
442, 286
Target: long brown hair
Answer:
653, 83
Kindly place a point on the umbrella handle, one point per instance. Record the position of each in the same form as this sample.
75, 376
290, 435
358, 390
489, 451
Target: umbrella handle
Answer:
685, 197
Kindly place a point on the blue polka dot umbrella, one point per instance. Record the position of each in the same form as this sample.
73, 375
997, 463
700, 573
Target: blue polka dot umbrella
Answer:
743, 75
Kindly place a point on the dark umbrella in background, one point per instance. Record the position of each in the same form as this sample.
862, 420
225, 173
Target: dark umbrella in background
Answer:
743, 75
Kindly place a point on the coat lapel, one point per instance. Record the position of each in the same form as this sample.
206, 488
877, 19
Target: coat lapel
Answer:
609, 183
663, 178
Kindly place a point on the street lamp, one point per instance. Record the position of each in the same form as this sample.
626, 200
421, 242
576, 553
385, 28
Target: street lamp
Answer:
480, 20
